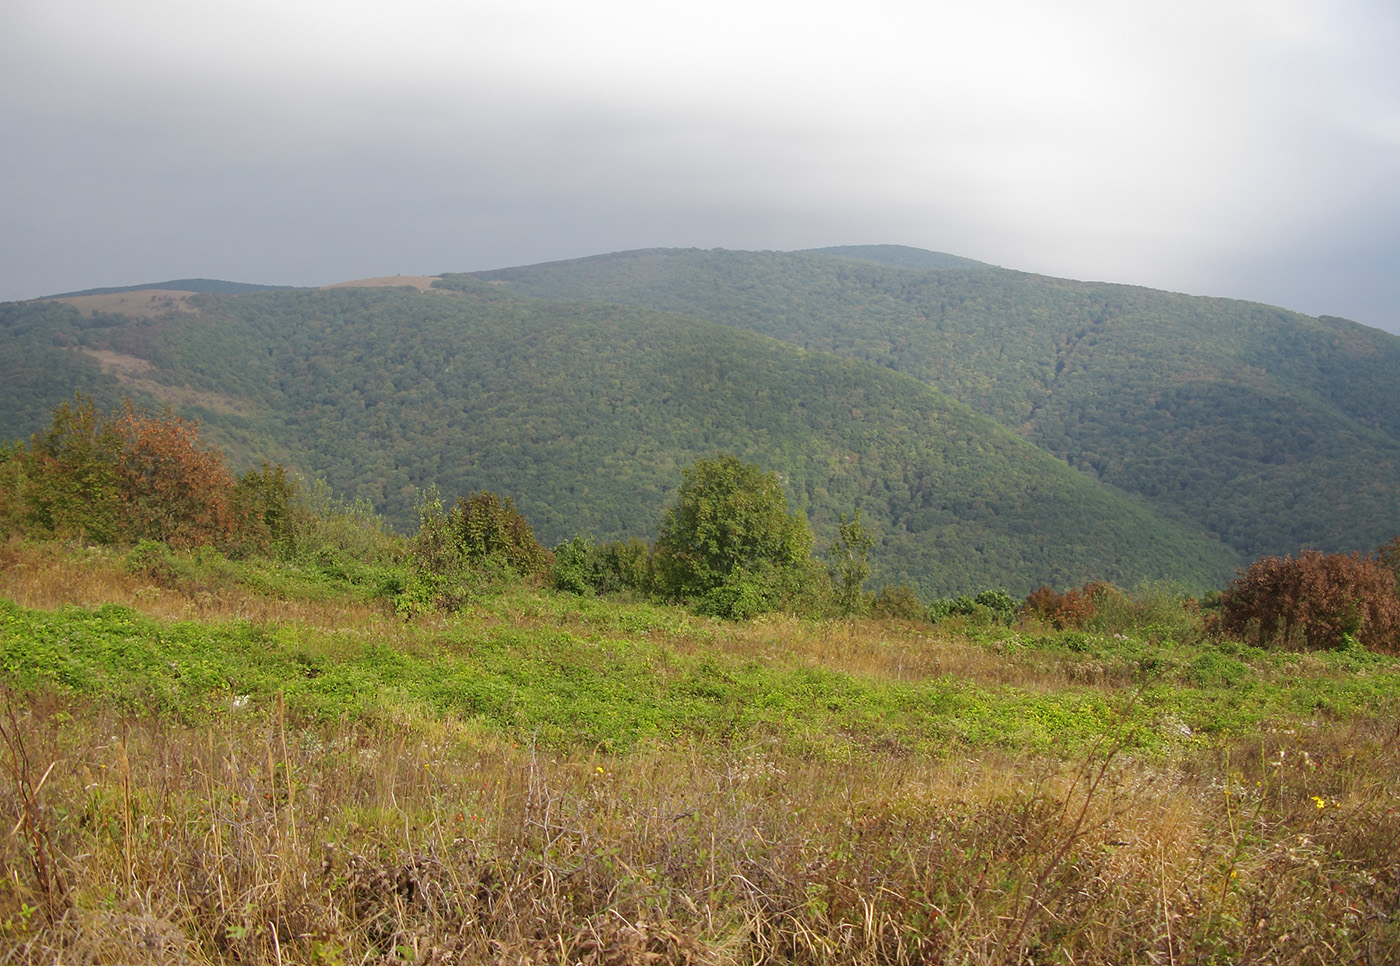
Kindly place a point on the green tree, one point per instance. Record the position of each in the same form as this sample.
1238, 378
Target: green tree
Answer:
70, 484
848, 561
730, 541
491, 531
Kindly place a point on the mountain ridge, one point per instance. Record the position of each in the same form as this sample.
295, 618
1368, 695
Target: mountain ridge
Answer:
1124, 382
585, 414
1193, 432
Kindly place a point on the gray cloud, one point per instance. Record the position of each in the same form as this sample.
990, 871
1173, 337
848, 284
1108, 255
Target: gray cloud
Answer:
1235, 147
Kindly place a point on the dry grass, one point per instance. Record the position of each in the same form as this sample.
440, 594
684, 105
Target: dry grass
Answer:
262, 839
258, 841
895, 651
146, 304
133, 373
421, 282
50, 576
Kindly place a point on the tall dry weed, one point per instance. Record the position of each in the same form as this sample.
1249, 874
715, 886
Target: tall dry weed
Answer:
267, 840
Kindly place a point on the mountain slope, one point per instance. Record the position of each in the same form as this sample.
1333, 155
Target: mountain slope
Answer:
206, 286
1271, 429
585, 414
899, 256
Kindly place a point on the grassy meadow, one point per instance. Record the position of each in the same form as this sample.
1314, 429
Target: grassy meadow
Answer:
251, 762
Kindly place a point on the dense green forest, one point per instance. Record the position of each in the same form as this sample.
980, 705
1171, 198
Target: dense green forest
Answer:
585, 414
995, 428
1272, 429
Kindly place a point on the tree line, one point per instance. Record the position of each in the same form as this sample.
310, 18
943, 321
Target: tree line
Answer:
729, 544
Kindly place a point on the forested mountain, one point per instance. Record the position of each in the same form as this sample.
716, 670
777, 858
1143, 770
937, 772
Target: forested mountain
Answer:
1271, 429
585, 413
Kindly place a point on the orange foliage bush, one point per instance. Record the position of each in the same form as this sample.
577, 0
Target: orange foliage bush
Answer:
1389, 554
171, 488
132, 476
1073, 608
1314, 600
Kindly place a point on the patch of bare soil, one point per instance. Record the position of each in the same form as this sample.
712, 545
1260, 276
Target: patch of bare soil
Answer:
420, 282
129, 371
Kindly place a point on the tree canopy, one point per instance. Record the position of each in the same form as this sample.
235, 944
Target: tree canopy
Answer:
730, 526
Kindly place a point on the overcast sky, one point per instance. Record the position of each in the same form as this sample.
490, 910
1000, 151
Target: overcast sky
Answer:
1244, 148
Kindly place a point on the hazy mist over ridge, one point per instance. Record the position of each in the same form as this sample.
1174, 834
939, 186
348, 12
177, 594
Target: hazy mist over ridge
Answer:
1236, 149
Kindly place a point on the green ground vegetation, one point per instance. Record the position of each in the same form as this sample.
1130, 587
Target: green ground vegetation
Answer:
263, 760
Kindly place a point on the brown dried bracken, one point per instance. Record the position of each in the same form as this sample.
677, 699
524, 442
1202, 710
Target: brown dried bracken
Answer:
1315, 601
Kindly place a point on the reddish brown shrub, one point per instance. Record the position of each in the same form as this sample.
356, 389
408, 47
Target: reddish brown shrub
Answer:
1314, 600
1073, 608
132, 476
172, 488
1389, 554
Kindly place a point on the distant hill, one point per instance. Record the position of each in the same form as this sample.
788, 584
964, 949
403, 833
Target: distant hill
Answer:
203, 286
998, 428
1272, 430
585, 414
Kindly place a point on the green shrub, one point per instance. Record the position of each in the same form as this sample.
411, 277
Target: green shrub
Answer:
898, 602
730, 526
741, 596
152, 560
490, 531
621, 565
1001, 605
572, 570
848, 560
264, 504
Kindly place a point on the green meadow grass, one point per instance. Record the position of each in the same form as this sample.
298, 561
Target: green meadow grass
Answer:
240, 762
575, 672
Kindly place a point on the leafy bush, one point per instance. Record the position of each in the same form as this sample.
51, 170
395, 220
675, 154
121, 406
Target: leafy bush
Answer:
730, 533
999, 602
434, 548
848, 560
491, 532
741, 596
122, 478
572, 568
621, 565
1160, 610
898, 602
68, 477
264, 505
481, 542
1389, 554
171, 487
1075, 608
986, 608
331, 532
583, 567
153, 561
1315, 601
11, 482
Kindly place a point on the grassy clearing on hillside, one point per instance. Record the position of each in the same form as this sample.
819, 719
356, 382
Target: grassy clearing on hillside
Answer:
240, 763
